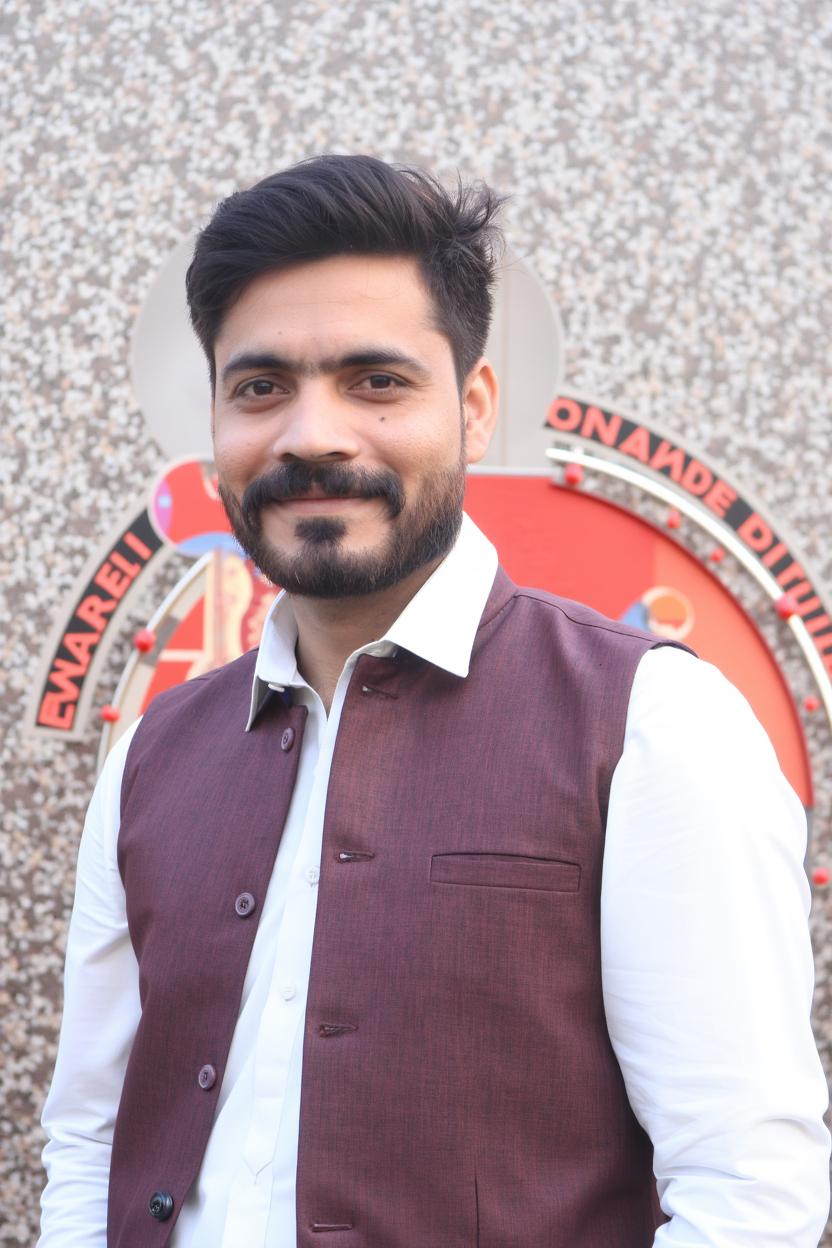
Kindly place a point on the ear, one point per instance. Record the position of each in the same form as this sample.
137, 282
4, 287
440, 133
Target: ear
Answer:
480, 402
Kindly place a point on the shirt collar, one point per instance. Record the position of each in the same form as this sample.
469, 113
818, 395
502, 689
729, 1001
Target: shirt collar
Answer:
439, 623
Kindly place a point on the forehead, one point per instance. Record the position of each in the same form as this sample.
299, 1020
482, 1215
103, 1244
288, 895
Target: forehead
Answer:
330, 305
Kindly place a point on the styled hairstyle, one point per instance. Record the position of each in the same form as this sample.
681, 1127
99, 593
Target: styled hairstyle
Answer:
336, 205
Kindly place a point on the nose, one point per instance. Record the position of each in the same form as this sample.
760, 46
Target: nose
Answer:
314, 425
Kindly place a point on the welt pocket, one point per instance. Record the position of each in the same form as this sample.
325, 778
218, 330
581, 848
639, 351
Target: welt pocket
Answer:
506, 871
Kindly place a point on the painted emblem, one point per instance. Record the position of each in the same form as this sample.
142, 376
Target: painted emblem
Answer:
529, 497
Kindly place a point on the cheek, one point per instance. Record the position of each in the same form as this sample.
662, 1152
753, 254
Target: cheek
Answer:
238, 454
433, 444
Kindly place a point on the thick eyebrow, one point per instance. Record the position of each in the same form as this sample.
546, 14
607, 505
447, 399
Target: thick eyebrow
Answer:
367, 357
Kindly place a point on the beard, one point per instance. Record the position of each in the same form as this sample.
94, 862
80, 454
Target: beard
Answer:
420, 531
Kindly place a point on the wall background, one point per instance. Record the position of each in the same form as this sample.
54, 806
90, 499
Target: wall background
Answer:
670, 168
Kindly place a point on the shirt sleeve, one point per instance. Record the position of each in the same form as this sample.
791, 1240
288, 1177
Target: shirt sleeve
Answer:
707, 965
101, 1014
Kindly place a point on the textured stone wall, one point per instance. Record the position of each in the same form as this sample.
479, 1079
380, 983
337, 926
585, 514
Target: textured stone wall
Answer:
670, 170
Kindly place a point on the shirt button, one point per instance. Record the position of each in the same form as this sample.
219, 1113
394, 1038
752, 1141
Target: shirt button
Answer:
313, 874
287, 991
245, 904
160, 1206
288, 739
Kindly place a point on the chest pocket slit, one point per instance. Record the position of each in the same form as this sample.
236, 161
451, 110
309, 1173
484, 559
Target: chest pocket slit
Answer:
506, 871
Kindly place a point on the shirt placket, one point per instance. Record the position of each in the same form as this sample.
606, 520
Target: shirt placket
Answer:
279, 1035
248, 1214
285, 1005
280, 1029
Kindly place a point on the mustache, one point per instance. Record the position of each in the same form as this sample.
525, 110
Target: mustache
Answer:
294, 480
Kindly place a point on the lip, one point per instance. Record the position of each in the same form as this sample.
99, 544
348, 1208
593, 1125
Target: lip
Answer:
320, 503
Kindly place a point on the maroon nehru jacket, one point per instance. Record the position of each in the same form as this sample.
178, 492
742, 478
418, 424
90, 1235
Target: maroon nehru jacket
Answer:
459, 1086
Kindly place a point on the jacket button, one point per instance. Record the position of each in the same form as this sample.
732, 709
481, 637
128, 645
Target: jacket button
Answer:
245, 904
160, 1206
288, 739
207, 1077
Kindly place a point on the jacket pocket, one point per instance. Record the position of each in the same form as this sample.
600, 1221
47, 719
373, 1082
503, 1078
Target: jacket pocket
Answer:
506, 871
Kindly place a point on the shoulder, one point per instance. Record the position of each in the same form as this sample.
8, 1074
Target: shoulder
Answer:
182, 717
577, 615
569, 622
684, 712
224, 682
676, 688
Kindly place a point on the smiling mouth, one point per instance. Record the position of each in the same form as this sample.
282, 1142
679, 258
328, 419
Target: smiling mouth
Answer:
323, 502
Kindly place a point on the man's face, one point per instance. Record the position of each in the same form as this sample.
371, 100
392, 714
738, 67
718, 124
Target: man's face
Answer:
340, 436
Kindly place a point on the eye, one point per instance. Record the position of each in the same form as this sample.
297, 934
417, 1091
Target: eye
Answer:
256, 388
383, 383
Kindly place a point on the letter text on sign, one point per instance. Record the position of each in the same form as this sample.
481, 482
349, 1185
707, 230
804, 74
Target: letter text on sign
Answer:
600, 426
671, 457
755, 532
637, 444
564, 414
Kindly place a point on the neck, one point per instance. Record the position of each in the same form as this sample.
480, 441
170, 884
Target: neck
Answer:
331, 629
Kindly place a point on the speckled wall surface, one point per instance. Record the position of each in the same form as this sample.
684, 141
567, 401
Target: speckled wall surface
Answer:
670, 166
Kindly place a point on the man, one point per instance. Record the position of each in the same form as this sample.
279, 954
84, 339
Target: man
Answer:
471, 1037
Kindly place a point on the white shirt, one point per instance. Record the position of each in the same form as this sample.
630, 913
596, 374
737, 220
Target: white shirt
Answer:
707, 967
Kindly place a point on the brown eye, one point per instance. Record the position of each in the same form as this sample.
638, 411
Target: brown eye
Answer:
258, 388
382, 382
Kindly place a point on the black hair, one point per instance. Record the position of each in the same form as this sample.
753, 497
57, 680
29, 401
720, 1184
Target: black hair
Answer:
334, 205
